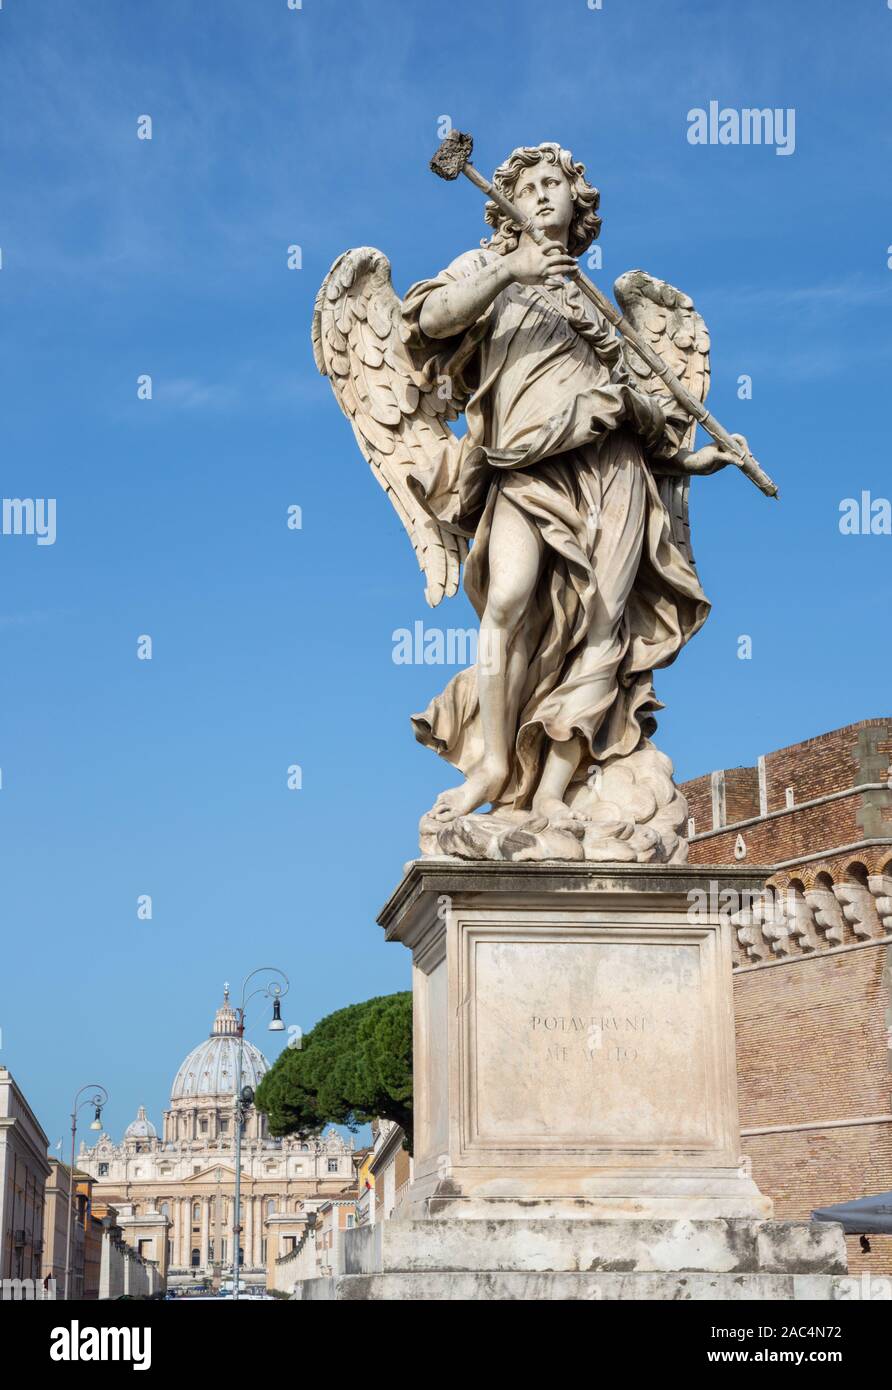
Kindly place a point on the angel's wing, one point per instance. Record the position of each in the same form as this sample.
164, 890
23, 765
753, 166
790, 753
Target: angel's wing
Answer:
667, 320
398, 416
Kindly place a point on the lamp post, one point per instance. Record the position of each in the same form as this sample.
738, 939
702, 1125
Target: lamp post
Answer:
244, 1096
97, 1100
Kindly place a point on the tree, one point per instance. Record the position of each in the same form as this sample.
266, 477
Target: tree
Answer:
355, 1064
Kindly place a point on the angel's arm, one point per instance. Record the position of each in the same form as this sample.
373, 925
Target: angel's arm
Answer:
697, 462
453, 307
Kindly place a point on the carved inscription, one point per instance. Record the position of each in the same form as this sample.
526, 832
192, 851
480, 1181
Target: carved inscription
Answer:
595, 1041
605, 1037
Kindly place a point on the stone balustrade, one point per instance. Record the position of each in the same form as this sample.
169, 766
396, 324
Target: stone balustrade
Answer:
799, 918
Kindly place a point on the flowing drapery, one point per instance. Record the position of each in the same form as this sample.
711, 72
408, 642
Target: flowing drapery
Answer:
556, 426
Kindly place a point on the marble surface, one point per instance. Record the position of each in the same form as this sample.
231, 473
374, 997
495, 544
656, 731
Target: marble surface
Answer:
574, 1042
571, 480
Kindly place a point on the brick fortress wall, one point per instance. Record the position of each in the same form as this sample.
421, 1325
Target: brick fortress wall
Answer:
813, 973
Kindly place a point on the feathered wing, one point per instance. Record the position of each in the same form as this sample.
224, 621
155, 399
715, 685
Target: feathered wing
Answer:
668, 321
398, 416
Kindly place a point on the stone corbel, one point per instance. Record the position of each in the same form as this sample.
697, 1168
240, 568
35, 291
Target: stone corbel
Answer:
828, 914
880, 886
776, 924
859, 909
801, 918
748, 927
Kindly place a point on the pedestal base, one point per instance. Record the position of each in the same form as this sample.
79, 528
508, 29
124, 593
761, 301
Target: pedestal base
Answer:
551, 1287
657, 1195
523, 1259
574, 1040
576, 1129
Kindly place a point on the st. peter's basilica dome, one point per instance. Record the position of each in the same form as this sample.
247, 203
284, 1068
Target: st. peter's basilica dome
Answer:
210, 1068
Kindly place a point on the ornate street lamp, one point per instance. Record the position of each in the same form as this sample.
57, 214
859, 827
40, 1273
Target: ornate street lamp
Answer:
97, 1100
244, 1097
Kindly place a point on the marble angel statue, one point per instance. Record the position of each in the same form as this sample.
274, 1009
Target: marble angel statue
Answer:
571, 483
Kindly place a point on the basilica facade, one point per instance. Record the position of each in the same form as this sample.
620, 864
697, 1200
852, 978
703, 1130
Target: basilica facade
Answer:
174, 1192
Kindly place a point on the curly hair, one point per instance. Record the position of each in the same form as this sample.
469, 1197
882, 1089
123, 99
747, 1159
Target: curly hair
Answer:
586, 223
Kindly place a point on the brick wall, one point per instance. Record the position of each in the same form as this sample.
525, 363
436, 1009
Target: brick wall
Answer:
741, 794
859, 753
812, 1046
812, 1040
877, 1261
697, 792
802, 831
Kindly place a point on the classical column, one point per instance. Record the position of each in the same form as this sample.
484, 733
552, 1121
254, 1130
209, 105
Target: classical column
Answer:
248, 1232
177, 1209
205, 1230
185, 1230
258, 1233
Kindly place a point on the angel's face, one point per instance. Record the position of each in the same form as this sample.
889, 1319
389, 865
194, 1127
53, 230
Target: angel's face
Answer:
543, 194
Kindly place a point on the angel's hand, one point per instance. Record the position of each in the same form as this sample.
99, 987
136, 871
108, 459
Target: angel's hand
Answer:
535, 264
712, 457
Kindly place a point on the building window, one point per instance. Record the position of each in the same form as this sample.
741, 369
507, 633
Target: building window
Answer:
165, 1209
263, 1251
270, 1207
351, 1221
204, 1126
196, 1259
103, 1170
224, 1126
196, 1211
332, 1165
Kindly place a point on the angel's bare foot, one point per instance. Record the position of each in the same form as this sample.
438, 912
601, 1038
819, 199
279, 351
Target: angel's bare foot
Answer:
483, 785
555, 810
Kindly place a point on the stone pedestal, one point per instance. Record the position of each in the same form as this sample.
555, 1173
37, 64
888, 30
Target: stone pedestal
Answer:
574, 1041
567, 1259
576, 1126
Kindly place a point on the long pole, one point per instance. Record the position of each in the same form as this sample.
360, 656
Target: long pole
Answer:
237, 1226
745, 461
274, 992
99, 1099
70, 1193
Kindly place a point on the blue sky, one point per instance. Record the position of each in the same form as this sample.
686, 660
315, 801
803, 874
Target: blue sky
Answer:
274, 127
